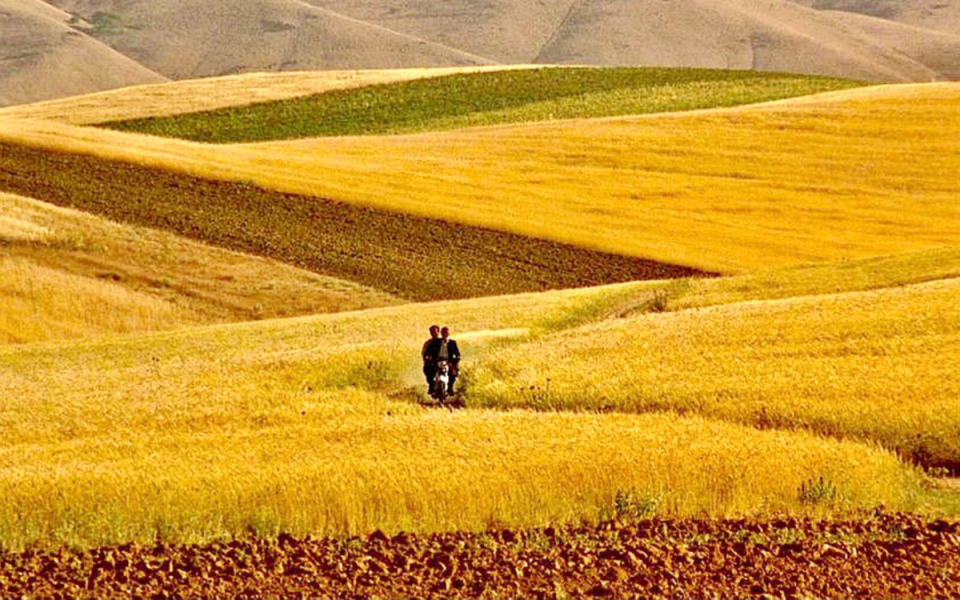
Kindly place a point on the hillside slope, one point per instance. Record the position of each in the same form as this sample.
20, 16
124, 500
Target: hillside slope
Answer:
197, 38
737, 34
939, 15
314, 425
489, 98
867, 172
415, 258
42, 57
211, 93
779, 35
874, 40
66, 274
509, 31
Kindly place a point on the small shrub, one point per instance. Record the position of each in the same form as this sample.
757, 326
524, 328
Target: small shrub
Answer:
817, 492
660, 301
635, 505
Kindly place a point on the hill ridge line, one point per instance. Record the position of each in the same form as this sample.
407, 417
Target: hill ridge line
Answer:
394, 32
574, 5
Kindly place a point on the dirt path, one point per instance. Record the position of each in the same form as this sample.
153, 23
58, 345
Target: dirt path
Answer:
887, 556
415, 258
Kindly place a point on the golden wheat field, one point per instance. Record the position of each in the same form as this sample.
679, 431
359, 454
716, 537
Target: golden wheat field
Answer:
866, 172
818, 378
67, 274
311, 425
877, 366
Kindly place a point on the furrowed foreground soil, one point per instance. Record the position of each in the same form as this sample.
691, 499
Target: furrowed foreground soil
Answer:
885, 556
413, 257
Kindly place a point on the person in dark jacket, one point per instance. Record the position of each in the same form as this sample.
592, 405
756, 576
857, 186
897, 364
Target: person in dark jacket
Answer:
437, 349
429, 356
449, 352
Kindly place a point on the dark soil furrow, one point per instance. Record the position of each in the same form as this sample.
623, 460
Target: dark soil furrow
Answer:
885, 556
413, 257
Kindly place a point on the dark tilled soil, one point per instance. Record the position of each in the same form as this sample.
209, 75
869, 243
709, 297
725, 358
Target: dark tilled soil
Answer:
886, 556
415, 258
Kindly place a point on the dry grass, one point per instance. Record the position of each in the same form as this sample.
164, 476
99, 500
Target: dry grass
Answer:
817, 279
310, 425
40, 303
414, 258
725, 190
304, 425
851, 174
877, 366
161, 100
66, 274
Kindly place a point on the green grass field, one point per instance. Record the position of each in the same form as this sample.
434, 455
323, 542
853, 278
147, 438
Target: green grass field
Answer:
455, 101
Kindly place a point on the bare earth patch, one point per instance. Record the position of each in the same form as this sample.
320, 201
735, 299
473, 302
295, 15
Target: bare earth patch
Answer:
413, 257
877, 556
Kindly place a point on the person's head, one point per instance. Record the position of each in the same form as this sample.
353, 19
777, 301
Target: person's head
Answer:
445, 332
434, 331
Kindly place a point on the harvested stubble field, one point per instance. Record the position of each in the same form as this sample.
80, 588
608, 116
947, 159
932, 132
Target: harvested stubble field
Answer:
413, 257
885, 556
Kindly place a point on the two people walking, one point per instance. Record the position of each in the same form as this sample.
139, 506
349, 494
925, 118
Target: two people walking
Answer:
437, 350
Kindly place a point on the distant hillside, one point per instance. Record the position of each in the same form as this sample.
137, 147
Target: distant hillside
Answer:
509, 31
198, 38
940, 15
779, 35
49, 52
42, 57
732, 34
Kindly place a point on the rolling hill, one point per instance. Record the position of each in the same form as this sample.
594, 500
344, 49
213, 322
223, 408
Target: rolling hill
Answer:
819, 380
868, 172
311, 426
939, 15
774, 36
66, 274
211, 93
42, 56
779, 35
186, 39
495, 97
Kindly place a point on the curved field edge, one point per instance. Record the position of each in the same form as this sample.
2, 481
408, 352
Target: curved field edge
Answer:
68, 274
727, 190
487, 98
876, 365
805, 180
306, 426
408, 256
211, 93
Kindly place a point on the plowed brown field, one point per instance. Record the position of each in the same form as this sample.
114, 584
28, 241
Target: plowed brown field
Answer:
879, 556
416, 258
